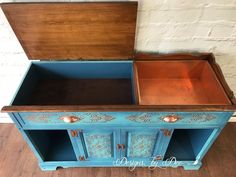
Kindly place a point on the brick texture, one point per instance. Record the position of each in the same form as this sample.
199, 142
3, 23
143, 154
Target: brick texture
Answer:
162, 26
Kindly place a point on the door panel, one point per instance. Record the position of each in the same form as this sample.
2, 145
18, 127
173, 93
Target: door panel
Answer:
98, 145
140, 144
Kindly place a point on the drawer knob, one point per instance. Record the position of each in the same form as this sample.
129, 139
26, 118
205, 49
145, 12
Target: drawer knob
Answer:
69, 119
170, 118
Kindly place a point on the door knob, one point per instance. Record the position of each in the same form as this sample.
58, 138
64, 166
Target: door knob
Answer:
118, 146
123, 147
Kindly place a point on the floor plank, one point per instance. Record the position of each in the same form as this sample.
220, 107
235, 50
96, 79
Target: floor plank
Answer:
17, 160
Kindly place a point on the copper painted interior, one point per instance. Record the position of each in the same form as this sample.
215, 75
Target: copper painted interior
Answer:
182, 82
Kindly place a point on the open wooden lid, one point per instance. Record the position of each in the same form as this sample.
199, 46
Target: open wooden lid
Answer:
72, 31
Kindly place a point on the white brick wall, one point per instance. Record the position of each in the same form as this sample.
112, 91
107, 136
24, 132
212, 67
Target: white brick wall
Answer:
163, 26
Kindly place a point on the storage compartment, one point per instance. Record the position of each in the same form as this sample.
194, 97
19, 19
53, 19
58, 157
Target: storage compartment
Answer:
53, 145
178, 82
77, 83
185, 144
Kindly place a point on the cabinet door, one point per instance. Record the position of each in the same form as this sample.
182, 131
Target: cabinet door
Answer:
142, 144
97, 145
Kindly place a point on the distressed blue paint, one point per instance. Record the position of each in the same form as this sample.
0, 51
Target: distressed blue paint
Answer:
48, 166
125, 118
26, 138
162, 144
112, 128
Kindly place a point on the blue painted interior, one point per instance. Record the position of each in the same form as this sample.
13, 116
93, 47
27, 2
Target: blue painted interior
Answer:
84, 70
186, 144
53, 145
76, 70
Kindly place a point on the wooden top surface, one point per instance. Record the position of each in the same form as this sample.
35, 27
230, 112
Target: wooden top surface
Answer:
73, 31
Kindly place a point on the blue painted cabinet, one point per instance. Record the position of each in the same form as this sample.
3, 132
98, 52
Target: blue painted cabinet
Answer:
121, 146
93, 101
109, 145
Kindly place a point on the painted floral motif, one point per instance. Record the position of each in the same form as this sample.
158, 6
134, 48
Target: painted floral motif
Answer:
122, 117
202, 117
151, 117
38, 118
99, 145
141, 117
171, 117
142, 145
81, 117
99, 117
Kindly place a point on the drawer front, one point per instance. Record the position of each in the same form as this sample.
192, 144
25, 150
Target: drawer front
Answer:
172, 119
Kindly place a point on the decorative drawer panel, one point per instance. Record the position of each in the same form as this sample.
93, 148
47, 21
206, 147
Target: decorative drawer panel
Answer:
124, 118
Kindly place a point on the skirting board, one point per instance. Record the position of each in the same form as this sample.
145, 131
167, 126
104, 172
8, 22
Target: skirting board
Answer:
4, 118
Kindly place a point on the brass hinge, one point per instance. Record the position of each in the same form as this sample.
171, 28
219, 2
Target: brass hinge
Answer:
81, 158
159, 157
74, 133
166, 132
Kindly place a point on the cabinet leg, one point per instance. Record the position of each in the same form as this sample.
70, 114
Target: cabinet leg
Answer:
48, 168
193, 167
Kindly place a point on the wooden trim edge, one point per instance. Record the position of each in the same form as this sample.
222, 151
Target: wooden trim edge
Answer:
120, 108
220, 76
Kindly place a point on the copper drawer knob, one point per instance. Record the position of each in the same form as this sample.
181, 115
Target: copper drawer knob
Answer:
170, 118
69, 119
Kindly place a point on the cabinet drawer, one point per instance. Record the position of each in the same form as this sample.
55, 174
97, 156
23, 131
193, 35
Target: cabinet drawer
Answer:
172, 119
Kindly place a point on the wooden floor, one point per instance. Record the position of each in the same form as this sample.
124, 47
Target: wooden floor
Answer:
17, 160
